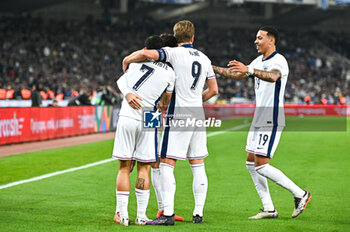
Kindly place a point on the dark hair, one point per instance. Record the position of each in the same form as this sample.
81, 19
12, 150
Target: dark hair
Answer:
271, 31
169, 40
154, 42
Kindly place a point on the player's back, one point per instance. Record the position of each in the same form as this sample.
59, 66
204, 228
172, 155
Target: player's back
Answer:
192, 68
147, 80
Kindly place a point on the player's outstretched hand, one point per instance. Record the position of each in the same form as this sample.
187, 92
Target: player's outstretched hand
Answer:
238, 66
133, 101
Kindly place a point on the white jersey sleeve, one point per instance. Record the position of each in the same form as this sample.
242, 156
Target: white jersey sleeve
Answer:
171, 85
280, 64
123, 85
210, 72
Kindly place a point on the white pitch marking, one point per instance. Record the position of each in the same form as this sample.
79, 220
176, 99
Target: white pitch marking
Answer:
55, 173
235, 128
98, 163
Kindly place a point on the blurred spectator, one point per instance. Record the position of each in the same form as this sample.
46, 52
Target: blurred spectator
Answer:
51, 94
76, 54
83, 99
307, 100
10, 92
54, 103
2, 94
35, 96
104, 96
25, 93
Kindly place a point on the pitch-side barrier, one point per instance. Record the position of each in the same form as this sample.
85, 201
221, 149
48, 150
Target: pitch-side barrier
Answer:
26, 124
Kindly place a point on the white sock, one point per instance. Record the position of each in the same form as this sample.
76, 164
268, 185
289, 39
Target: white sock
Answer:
116, 202
280, 178
168, 188
261, 187
142, 197
156, 182
200, 187
122, 202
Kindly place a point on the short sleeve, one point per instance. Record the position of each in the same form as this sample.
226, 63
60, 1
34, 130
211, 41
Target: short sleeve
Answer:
211, 74
122, 85
171, 85
281, 65
166, 54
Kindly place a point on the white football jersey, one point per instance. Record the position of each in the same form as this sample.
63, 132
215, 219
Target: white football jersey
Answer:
192, 69
270, 95
147, 80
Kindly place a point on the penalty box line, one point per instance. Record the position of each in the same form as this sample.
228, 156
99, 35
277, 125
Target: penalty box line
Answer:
97, 163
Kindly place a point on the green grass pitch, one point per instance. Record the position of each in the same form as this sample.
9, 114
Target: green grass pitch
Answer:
84, 200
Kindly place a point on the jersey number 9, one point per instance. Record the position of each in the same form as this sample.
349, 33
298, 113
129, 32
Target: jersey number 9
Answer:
196, 72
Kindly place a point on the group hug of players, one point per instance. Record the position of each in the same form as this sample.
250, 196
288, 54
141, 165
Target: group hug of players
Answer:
170, 74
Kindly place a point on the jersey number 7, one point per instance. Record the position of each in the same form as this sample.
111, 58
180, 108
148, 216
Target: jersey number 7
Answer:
149, 72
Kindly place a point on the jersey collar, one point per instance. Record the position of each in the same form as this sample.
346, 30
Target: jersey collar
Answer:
270, 56
187, 45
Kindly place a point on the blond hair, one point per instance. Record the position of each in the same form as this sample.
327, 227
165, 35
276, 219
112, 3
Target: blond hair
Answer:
183, 31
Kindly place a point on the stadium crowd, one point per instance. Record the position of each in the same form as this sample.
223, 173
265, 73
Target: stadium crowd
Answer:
67, 59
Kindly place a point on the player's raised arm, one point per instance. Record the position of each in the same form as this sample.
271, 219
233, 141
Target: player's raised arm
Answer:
229, 73
139, 56
212, 89
270, 76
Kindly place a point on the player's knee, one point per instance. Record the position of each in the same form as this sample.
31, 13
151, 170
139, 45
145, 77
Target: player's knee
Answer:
250, 157
155, 164
261, 160
143, 167
125, 170
171, 162
196, 161
125, 166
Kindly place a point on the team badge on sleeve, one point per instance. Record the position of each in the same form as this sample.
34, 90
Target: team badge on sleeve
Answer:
151, 119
